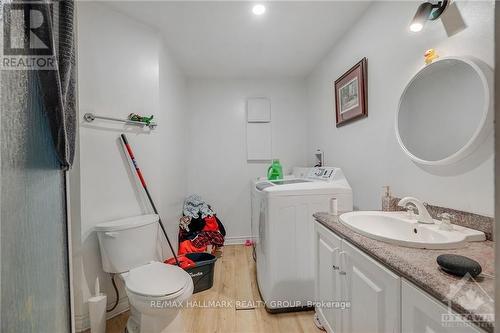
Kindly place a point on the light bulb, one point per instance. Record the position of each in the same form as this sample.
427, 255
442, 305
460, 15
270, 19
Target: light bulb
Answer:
259, 9
416, 27
421, 16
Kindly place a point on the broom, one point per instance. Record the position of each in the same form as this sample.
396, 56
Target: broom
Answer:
129, 152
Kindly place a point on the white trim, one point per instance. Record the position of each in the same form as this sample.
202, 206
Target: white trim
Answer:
82, 322
236, 240
69, 252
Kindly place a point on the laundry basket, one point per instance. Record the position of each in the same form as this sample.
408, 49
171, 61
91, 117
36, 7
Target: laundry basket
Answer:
203, 272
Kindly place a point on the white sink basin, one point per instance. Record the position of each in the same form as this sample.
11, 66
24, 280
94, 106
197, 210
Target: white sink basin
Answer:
396, 228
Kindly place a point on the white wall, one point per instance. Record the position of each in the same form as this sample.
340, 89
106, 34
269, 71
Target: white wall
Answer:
367, 149
199, 145
123, 67
217, 165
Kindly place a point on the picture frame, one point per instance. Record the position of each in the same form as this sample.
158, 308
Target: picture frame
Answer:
351, 94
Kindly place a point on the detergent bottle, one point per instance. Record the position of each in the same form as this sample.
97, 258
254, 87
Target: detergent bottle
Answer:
275, 171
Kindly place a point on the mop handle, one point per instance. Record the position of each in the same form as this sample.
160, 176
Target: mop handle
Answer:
144, 186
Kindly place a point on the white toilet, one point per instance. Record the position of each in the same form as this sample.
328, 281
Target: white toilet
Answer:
130, 248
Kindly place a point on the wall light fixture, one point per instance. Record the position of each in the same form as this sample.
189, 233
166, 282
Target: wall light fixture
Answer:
427, 11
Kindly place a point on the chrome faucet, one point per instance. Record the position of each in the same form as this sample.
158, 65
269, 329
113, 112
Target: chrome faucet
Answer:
423, 215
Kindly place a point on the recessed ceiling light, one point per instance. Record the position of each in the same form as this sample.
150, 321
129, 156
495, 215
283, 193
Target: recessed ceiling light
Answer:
259, 9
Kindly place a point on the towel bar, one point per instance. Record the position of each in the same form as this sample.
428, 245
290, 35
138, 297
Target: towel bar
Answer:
89, 117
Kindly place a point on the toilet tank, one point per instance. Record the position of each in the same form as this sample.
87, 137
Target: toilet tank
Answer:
128, 243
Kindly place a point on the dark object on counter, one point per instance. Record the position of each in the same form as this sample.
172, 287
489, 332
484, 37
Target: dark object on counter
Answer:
459, 265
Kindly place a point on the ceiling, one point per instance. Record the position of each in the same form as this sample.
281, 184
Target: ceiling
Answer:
224, 38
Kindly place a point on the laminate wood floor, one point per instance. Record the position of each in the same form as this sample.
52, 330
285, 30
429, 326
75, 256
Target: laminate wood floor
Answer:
234, 293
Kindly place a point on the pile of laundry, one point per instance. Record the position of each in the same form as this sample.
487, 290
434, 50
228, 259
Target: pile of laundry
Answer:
199, 227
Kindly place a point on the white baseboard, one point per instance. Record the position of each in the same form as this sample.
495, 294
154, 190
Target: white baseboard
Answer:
82, 322
236, 240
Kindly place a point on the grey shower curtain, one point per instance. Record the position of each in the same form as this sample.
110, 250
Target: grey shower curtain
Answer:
58, 87
48, 23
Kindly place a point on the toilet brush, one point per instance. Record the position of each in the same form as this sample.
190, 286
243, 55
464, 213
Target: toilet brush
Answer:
128, 150
97, 310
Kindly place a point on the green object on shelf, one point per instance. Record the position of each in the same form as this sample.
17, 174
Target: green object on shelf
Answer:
275, 171
141, 119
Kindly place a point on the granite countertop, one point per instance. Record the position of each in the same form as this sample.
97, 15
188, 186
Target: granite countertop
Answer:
419, 266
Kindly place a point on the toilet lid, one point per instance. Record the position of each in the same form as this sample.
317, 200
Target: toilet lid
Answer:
157, 279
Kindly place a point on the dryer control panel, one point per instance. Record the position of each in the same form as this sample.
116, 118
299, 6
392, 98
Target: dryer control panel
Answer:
322, 173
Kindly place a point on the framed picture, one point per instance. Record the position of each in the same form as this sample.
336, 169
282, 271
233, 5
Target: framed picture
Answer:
351, 94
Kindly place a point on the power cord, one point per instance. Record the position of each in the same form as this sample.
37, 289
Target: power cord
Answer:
116, 293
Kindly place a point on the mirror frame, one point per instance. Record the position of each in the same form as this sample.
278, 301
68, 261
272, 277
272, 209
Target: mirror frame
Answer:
485, 74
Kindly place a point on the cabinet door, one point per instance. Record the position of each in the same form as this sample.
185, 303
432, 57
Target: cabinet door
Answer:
327, 247
373, 292
423, 314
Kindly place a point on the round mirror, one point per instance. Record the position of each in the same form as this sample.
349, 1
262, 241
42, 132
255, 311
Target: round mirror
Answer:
445, 111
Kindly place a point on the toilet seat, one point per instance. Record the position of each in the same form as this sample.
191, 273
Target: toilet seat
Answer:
157, 280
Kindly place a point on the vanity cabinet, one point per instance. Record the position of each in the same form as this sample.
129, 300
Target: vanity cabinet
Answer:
420, 312
327, 282
345, 274
380, 300
372, 290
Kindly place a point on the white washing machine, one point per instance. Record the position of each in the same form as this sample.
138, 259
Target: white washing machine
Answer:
282, 228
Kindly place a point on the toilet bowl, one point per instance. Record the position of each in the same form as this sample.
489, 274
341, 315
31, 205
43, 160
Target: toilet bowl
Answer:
156, 291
